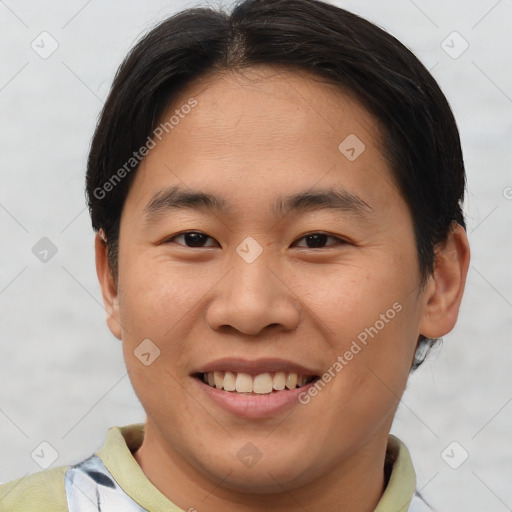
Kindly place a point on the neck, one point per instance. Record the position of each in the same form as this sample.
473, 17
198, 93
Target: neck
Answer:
355, 484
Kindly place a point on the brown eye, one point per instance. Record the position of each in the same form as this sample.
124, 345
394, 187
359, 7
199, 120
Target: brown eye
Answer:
191, 239
319, 240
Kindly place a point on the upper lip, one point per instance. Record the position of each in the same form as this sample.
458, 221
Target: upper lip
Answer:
255, 367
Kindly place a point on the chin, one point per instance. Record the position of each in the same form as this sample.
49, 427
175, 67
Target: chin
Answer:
264, 477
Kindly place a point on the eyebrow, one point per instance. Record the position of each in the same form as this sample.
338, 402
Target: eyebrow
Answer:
176, 198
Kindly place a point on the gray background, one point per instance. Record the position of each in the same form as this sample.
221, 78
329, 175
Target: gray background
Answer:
62, 377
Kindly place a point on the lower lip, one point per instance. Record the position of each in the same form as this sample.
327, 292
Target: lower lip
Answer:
253, 406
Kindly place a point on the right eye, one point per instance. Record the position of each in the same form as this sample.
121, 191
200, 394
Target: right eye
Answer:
190, 239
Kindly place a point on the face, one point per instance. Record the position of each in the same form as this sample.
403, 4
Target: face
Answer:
301, 260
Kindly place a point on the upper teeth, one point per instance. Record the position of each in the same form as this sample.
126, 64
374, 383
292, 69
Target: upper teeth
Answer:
262, 383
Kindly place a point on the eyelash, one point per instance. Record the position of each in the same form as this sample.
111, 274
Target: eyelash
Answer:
339, 240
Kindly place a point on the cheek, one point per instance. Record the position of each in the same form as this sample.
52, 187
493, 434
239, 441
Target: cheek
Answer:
157, 297
369, 314
350, 297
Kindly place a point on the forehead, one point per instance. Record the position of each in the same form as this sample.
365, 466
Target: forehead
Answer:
275, 105
265, 129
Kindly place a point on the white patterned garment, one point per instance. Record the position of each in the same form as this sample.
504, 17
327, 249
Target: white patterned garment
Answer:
91, 488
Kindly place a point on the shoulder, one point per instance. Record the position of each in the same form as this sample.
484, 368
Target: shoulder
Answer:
40, 491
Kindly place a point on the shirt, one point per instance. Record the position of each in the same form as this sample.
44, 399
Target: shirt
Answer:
111, 480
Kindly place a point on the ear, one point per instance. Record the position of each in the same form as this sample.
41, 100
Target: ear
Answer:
108, 286
444, 289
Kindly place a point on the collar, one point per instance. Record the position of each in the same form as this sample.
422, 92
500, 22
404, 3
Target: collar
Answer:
108, 476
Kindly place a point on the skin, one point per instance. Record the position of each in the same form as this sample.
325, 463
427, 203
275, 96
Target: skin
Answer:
252, 138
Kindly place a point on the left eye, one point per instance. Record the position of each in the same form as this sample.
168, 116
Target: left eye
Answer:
313, 240
318, 240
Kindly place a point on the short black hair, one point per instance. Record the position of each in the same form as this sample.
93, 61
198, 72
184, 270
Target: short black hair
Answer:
421, 139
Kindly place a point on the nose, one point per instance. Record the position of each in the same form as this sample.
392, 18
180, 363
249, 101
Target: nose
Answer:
253, 297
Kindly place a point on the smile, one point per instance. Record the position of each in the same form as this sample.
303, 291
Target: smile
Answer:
261, 384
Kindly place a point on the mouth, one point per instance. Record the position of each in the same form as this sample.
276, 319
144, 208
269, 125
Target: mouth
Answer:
264, 383
254, 389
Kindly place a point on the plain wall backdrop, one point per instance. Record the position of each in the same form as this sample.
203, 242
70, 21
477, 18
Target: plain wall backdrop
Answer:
62, 376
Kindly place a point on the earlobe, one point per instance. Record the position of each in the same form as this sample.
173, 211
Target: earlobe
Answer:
444, 290
107, 284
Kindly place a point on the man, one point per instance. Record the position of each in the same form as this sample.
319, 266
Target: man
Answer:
277, 198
